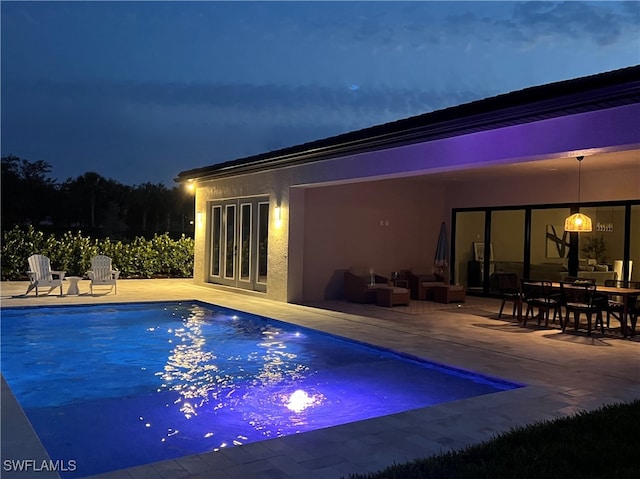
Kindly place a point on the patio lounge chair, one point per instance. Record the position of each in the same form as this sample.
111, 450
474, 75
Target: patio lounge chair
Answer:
422, 285
102, 273
361, 287
40, 274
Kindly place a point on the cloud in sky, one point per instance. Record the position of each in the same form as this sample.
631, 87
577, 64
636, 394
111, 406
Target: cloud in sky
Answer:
139, 91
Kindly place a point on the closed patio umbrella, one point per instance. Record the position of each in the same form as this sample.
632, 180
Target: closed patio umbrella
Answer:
440, 260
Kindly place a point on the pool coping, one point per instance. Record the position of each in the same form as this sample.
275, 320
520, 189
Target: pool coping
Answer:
602, 371
259, 457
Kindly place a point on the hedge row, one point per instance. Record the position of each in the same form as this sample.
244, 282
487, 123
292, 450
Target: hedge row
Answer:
160, 256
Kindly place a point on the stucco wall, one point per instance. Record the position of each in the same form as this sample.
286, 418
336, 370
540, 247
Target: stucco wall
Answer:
261, 184
384, 225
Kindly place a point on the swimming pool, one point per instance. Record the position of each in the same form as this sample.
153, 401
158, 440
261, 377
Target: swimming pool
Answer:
114, 386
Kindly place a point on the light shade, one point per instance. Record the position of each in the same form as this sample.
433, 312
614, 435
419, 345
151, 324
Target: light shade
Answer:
278, 215
578, 223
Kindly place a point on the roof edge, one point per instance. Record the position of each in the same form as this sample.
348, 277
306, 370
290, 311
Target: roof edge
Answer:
594, 92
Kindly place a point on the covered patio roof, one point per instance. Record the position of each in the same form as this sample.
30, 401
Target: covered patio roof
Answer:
581, 95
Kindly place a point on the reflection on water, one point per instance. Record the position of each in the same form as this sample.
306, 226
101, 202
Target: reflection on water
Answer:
258, 371
191, 370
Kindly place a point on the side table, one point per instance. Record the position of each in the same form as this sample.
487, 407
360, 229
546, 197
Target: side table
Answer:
400, 283
73, 284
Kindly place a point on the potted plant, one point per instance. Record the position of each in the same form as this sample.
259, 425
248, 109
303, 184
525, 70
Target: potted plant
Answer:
594, 247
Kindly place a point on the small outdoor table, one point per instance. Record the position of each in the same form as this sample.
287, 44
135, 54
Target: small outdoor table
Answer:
73, 284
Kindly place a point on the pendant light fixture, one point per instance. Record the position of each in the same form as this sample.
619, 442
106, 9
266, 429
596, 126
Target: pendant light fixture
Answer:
577, 222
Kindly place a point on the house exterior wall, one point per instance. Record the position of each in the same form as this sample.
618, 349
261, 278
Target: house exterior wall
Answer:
327, 204
381, 225
260, 184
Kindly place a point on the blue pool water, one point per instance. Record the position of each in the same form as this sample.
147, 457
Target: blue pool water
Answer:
114, 386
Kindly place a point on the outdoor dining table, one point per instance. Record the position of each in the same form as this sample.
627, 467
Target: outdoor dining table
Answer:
624, 293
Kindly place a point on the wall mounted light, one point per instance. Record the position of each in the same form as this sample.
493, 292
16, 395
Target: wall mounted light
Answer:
191, 186
277, 214
577, 222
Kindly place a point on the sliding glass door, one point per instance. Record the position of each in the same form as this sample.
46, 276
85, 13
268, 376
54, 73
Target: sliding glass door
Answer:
550, 244
507, 242
531, 242
469, 249
601, 251
633, 245
239, 232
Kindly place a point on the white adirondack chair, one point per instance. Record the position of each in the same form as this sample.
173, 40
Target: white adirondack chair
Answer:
40, 274
102, 273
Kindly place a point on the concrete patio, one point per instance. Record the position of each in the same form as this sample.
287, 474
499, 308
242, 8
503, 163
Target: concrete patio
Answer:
564, 373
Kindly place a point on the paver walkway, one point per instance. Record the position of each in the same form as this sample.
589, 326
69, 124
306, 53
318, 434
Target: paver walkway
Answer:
564, 373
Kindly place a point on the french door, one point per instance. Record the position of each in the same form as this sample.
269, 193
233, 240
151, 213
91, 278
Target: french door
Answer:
239, 232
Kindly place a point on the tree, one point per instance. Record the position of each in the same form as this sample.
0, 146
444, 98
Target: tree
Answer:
91, 189
27, 191
148, 198
104, 206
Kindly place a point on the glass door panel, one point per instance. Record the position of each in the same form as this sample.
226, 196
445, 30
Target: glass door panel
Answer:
634, 249
468, 267
550, 244
245, 242
263, 241
239, 243
230, 242
507, 239
601, 250
216, 240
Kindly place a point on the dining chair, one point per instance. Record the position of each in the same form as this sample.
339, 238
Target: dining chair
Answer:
615, 306
634, 307
582, 298
538, 294
509, 289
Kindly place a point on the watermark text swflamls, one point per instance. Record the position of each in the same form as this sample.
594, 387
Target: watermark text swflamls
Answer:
23, 465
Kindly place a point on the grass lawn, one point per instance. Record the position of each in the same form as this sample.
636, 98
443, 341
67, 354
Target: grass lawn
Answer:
604, 443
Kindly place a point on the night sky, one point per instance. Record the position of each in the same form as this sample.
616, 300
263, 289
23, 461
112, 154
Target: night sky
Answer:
139, 91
